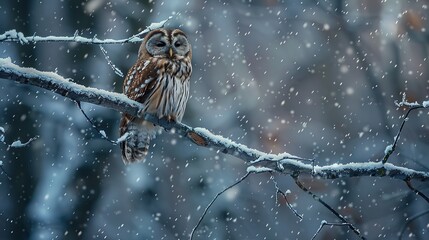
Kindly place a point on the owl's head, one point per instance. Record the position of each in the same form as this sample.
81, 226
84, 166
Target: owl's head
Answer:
165, 43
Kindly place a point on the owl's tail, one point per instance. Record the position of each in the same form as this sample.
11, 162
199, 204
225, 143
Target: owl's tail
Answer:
136, 145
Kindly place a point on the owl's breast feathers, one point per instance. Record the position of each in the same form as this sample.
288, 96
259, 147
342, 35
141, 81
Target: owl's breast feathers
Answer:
161, 84
180, 68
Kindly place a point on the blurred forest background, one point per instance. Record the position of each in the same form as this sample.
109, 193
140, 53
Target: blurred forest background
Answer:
313, 78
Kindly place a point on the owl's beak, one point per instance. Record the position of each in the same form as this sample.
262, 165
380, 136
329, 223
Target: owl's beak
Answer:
170, 51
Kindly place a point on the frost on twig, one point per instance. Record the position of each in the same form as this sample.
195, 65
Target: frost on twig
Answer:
116, 70
415, 104
1, 134
15, 36
100, 131
254, 169
325, 223
283, 194
17, 143
151, 27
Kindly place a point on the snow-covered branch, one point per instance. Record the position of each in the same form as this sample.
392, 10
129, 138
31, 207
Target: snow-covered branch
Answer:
405, 103
284, 162
15, 36
66, 87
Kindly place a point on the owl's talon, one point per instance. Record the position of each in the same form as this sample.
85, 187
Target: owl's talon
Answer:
140, 113
171, 119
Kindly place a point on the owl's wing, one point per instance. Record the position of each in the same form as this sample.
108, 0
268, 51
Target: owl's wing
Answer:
139, 80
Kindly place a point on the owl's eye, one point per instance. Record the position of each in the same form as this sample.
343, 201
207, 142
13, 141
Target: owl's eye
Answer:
160, 44
177, 44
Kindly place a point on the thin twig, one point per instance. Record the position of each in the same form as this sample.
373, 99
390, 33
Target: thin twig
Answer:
213, 200
101, 132
409, 221
115, 69
283, 194
19, 144
325, 223
391, 148
338, 215
416, 191
4, 171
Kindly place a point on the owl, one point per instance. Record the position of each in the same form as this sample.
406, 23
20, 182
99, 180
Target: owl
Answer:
160, 81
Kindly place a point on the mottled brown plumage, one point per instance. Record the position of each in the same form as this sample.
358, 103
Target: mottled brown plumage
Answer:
159, 80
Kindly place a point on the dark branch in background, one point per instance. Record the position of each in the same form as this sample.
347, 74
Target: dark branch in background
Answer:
410, 186
116, 70
338, 14
284, 162
1, 162
410, 220
213, 200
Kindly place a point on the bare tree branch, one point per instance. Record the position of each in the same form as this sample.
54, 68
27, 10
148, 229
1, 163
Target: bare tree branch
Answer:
15, 36
283, 162
65, 87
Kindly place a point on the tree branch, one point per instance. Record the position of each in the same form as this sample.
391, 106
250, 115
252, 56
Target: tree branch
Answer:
283, 162
14, 36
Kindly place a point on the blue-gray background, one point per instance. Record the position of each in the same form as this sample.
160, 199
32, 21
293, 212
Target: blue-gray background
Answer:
316, 79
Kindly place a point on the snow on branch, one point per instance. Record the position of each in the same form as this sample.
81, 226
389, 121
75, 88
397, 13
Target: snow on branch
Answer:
415, 105
284, 162
15, 36
66, 87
